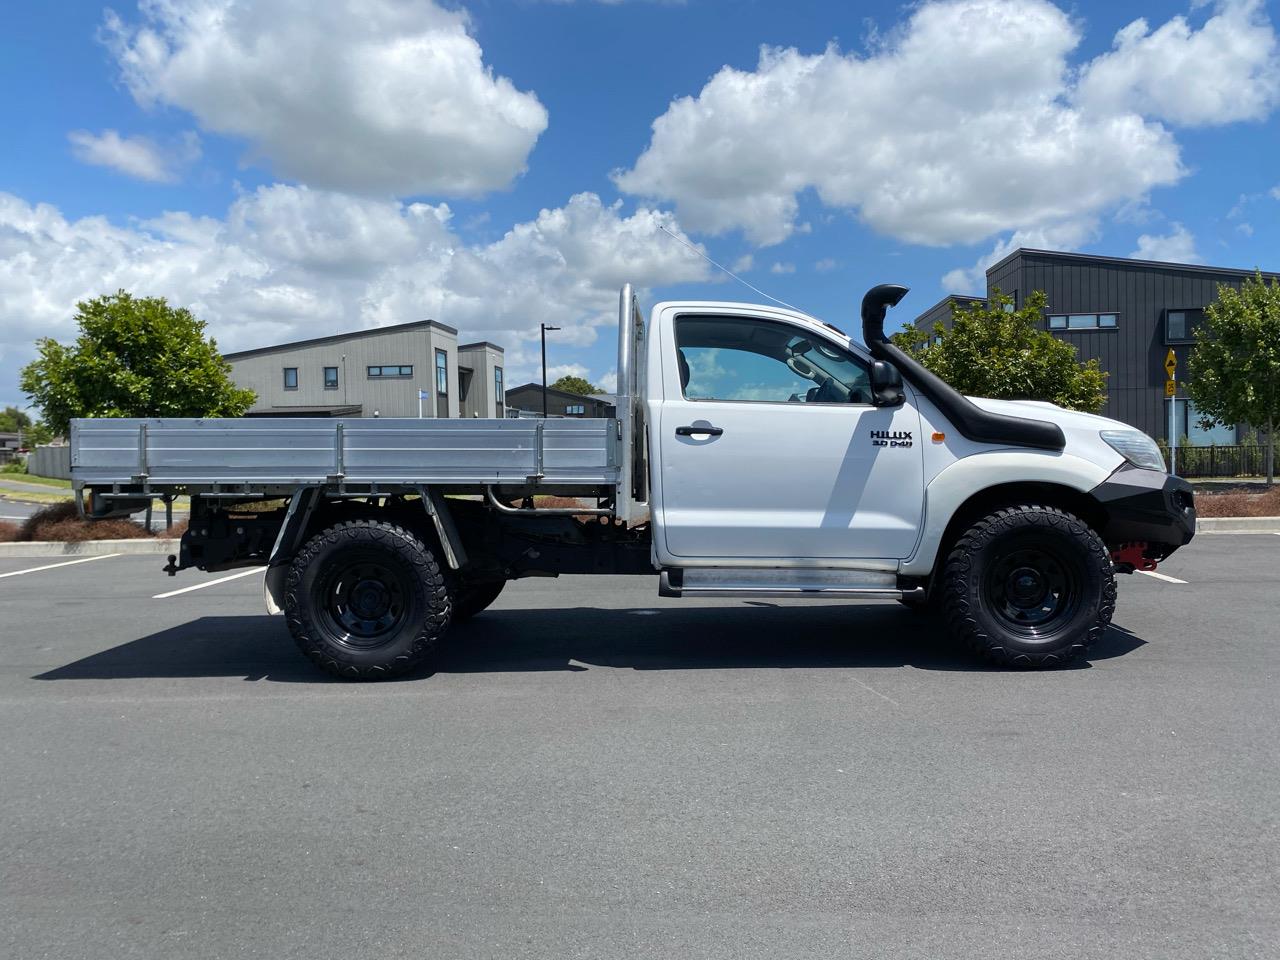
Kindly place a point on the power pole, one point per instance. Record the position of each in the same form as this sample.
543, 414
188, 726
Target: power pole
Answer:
545, 328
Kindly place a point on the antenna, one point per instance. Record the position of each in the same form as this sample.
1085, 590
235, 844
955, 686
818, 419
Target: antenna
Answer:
727, 270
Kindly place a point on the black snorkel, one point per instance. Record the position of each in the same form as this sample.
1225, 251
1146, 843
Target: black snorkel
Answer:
967, 417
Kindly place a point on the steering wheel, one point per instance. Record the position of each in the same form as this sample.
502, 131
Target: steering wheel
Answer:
828, 392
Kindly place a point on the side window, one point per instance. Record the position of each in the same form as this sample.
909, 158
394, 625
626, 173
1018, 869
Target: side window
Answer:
743, 359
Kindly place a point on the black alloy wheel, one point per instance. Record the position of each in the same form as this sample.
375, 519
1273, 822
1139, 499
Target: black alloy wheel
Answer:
1032, 590
1029, 586
366, 600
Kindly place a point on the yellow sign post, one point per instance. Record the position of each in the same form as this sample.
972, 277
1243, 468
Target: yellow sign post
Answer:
1171, 391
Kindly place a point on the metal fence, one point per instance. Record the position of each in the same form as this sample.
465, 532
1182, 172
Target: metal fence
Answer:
50, 462
1230, 460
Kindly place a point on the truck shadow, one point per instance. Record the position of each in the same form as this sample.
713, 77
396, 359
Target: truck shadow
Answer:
755, 635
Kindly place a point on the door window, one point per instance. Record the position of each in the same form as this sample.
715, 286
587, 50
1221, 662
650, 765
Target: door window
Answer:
744, 359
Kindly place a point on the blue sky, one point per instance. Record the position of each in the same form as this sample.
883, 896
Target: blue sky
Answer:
290, 173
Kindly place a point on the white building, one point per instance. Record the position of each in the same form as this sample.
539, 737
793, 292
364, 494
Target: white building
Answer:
395, 371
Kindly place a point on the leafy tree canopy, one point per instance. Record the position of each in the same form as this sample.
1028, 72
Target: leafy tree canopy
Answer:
1235, 364
134, 357
995, 351
12, 420
576, 385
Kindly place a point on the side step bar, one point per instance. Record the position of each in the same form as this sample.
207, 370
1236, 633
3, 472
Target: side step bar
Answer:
796, 584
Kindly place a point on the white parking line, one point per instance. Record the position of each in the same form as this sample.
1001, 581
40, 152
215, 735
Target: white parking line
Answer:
1161, 576
50, 566
211, 583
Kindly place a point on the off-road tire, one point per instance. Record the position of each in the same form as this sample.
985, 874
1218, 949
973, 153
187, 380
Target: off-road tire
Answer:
417, 603
472, 598
983, 606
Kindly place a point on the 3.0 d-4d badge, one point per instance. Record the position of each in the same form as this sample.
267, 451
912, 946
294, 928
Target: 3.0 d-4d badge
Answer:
891, 438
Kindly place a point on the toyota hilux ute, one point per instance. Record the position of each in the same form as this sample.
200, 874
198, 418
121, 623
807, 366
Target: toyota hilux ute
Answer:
756, 452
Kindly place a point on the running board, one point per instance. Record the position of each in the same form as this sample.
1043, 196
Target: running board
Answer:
796, 584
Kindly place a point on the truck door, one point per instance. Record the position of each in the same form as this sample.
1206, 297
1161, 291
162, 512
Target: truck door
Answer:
770, 447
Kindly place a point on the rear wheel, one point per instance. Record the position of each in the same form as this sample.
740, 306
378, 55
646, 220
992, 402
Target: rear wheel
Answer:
366, 600
1029, 586
472, 598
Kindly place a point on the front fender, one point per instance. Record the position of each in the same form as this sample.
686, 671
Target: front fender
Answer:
963, 478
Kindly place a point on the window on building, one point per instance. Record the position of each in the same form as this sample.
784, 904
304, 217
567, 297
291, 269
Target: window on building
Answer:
1187, 423
576, 409
497, 386
442, 373
1180, 325
331, 378
1083, 321
291, 378
385, 372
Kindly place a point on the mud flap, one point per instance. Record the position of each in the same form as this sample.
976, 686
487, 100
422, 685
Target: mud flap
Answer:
273, 588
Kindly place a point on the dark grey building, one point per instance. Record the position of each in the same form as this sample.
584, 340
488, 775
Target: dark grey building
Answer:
527, 399
1125, 313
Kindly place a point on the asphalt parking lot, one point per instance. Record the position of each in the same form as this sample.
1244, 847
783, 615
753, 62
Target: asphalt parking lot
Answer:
595, 772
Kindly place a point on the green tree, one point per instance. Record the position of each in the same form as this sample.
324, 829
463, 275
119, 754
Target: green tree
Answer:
37, 435
576, 385
1235, 364
134, 357
12, 420
995, 351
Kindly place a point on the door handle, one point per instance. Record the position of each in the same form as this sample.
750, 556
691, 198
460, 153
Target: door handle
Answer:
690, 431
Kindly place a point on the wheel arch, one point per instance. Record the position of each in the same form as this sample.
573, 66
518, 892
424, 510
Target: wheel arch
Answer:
971, 488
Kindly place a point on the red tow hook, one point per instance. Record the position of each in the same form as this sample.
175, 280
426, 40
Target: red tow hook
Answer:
1128, 557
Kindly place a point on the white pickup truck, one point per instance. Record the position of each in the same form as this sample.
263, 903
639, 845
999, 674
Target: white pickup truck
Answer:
758, 452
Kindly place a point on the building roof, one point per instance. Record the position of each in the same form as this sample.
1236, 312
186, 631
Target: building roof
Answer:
339, 337
553, 392
320, 410
1126, 262
961, 297
480, 343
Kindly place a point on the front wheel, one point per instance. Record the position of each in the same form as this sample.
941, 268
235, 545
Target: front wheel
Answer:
1029, 586
365, 600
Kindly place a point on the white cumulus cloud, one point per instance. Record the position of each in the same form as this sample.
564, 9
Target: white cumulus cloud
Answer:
387, 97
289, 262
1176, 246
1228, 70
139, 157
1062, 236
961, 125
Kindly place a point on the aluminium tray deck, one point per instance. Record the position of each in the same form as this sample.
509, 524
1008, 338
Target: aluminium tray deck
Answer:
278, 451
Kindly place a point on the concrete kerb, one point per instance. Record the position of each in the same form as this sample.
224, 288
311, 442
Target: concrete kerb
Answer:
1238, 525
89, 548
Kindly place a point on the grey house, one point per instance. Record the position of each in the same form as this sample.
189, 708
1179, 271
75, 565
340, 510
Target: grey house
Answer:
1127, 314
527, 399
374, 373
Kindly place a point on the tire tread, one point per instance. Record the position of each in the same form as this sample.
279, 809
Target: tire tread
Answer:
958, 571
300, 616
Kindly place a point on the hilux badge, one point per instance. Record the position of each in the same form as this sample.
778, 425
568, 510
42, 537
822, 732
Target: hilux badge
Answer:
891, 438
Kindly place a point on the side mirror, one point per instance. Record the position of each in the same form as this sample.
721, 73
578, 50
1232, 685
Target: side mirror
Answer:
886, 384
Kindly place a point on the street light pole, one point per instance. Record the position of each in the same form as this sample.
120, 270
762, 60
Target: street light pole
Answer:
545, 328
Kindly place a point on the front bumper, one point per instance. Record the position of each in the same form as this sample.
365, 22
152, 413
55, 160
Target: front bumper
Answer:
1147, 506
